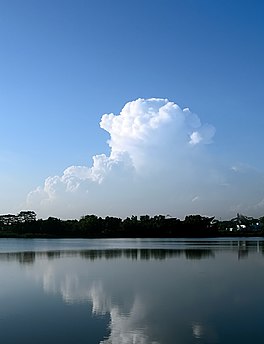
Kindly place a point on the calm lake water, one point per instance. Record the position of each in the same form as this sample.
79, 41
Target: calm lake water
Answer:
131, 291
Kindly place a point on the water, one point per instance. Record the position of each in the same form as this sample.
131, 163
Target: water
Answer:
157, 291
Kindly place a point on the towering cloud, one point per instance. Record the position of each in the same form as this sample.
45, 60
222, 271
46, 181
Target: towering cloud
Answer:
157, 164
154, 126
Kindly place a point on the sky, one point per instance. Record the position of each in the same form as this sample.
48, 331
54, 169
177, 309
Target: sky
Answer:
117, 108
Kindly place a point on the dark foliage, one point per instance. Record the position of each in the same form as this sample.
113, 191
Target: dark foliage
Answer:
25, 224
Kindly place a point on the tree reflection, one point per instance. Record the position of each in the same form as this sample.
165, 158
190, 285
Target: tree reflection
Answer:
132, 254
198, 254
193, 250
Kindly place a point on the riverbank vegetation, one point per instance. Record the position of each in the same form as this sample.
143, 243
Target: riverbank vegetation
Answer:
26, 224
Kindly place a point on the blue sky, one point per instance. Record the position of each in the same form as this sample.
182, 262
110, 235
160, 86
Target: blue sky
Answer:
63, 64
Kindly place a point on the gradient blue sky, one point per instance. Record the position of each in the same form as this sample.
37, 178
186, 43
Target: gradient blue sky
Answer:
63, 64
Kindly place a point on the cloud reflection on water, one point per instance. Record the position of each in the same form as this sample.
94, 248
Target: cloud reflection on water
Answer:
126, 326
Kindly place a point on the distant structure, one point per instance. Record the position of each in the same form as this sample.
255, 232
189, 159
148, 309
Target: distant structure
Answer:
243, 222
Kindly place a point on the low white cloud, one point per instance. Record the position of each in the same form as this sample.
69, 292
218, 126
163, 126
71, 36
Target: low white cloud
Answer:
196, 198
157, 164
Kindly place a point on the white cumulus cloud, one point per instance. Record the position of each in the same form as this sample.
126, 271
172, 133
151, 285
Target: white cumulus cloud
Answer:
157, 164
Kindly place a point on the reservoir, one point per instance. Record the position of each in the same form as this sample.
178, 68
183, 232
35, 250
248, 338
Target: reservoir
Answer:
131, 291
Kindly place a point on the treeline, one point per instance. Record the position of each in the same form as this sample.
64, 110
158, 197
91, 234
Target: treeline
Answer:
25, 224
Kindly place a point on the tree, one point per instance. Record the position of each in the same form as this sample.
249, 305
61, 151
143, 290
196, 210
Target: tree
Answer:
26, 216
91, 225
